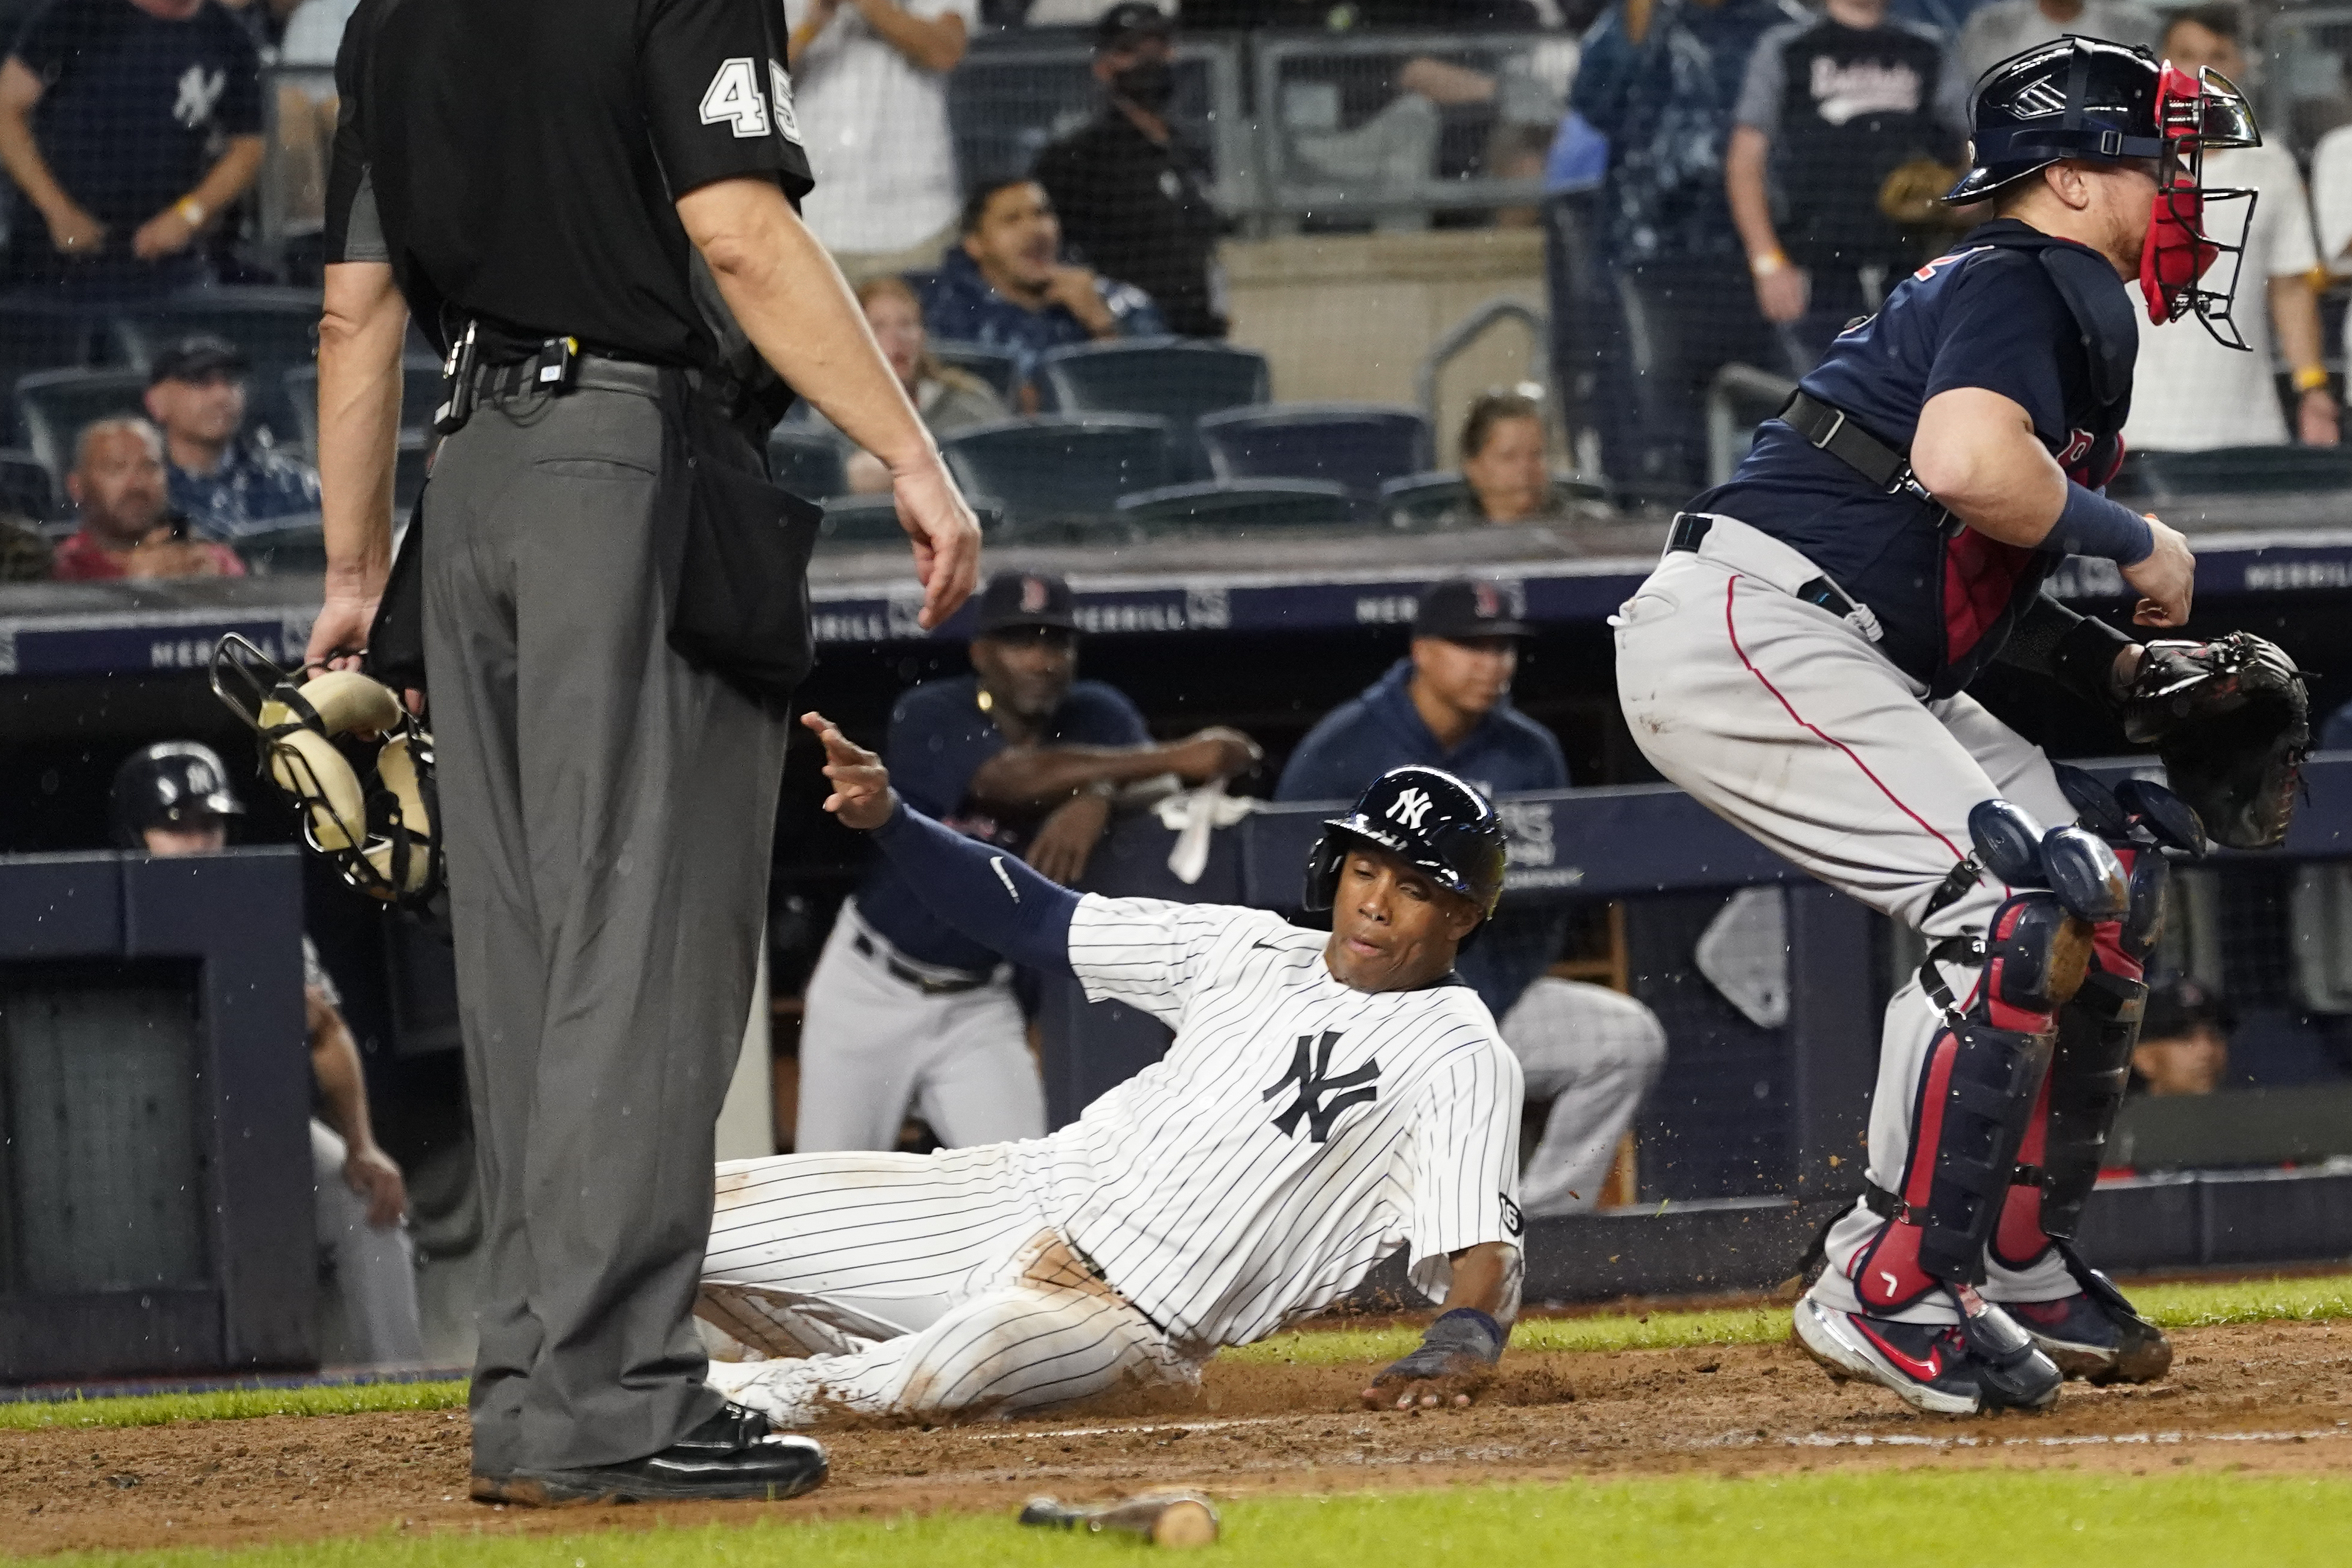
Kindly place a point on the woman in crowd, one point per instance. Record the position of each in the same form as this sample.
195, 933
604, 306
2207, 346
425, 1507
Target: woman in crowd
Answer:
947, 398
1503, 463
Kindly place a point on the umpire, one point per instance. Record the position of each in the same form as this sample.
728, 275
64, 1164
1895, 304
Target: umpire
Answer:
589, 208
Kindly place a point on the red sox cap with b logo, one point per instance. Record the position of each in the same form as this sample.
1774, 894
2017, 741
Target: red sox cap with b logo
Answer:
1016, 599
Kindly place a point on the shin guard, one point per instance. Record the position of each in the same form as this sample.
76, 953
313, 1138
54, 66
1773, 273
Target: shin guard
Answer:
2088, 1075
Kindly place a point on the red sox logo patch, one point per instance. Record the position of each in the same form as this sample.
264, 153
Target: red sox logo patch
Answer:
1033, 595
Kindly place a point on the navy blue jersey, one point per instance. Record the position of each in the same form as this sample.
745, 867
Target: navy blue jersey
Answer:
939, 740
1990, 315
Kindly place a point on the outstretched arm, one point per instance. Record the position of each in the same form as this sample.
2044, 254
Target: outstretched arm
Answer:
984, 892
1457, 1355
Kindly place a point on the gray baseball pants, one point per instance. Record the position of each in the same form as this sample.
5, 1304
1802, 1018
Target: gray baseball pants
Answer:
608, 813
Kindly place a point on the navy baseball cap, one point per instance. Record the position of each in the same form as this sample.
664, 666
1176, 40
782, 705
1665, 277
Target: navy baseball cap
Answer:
198, 357
1130, 19
1462, 608
2182, 1005
1016, 599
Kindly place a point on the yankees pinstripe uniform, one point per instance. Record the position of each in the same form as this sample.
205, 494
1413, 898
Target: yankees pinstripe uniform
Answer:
1296, 1132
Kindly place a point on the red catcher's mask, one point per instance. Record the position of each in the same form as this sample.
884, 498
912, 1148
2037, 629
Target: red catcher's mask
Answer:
2192, 113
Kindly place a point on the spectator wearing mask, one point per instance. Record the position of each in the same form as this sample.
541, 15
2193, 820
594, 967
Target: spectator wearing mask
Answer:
1590, 1050
173, 799
221, 481
1830, 108
1993, 32
1660, 79
869, 92
947, 398
126, 126
120, 493
2190, 391
1007, 285
1132, 193
2184, 1040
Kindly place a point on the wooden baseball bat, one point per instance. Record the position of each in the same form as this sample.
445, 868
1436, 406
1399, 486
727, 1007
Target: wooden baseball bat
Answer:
1164, 1519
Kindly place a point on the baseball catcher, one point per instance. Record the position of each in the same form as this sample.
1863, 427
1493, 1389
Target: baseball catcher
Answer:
1799, 661
1328, 1099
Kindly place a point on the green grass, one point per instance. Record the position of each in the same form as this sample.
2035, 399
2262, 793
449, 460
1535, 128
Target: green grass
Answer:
2175, 1306
1869, 1520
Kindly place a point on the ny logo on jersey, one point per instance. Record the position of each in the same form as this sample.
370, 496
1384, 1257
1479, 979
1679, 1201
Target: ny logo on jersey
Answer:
1408, 808
1309, 1069
198, 90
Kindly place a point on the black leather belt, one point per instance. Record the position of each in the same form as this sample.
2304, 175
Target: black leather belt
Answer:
929, 985
549, 371
1830, 429
1690, 528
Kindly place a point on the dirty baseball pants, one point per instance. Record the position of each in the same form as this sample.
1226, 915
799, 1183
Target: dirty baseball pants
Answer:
919, 1285
1788, 722
608, 813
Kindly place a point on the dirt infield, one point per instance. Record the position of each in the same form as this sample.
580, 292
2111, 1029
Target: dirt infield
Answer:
2270, 1396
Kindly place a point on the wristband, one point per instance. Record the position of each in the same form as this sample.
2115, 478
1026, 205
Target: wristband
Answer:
2311, 378
2090, 523
191, 210
1768, 263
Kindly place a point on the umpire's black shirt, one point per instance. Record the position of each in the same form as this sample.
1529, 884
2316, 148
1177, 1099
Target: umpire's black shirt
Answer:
517, 161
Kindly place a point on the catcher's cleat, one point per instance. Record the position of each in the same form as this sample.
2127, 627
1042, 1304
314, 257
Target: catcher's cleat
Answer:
731, 1456
2095, 1339
1983, 1363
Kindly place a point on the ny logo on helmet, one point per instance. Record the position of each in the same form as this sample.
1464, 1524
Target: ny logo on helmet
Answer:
1408, 808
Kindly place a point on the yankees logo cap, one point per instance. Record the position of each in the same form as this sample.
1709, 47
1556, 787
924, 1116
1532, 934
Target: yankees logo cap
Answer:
1462, 608
1016, 599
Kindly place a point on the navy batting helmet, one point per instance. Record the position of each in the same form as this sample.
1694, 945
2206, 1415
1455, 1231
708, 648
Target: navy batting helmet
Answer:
171, 784
1426, 817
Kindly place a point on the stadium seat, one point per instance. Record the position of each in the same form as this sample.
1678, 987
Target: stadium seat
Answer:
995, 366
861, 520
42, 337
277, 328
1359, 445
2233, 470
1427, 500
1060, 468
26, 488
1252, 504
298, 547
52, 407
1178, 379
420, 394
807, 463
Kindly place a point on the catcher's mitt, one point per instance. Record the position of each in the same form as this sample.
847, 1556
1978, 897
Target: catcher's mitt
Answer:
2232, 721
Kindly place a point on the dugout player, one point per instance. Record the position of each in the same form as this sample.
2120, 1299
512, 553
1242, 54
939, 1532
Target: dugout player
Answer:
1799, 660
1328, 1099
589, 208
904, 1010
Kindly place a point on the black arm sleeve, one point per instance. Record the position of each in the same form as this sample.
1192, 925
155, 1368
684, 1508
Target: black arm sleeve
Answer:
984, 892
2076, 651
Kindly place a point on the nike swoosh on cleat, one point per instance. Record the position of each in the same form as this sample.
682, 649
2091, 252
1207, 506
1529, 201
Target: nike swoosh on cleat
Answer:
1926, 1371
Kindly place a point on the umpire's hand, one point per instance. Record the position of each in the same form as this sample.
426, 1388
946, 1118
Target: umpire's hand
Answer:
945, 534
862, 796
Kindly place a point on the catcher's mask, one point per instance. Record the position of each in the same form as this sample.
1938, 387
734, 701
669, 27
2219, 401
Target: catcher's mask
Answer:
2099, 102
375, 823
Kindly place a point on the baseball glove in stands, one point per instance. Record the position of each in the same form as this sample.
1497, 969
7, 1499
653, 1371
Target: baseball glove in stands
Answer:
2231, 719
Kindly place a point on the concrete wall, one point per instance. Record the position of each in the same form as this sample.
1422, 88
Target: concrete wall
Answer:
1349, 317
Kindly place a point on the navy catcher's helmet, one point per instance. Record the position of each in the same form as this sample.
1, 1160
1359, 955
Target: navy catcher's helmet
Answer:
1426, 817
172, 784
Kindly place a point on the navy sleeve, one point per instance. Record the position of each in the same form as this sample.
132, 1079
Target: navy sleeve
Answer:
984, 892
1326, 767
50, 38
2001, 331
936, 742
239, 111
1098, 714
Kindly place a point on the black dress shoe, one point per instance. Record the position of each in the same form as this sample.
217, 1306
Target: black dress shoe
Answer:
732, 1454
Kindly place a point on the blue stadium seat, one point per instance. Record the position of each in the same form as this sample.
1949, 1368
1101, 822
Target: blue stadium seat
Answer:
1060, 468
1359, 445
52, 407
35, 335
277, 328
995, 366
420, 394
295, 546
2233, 470
26, 488
807, 463
1249, 503
1178, 379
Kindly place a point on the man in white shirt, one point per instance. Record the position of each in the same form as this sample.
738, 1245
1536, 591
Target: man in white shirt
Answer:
2331, 204
2007, 27
2190, 392
869, 91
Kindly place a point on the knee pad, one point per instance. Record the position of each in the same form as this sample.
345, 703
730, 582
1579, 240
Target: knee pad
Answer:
1976, 1095
2036, 953
2007, 842
2089, 1071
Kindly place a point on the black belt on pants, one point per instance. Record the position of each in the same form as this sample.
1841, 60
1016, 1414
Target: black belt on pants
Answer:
1692, 527
929, 985
593, 371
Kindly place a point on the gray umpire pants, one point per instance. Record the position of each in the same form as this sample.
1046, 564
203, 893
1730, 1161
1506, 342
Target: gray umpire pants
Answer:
608, 813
